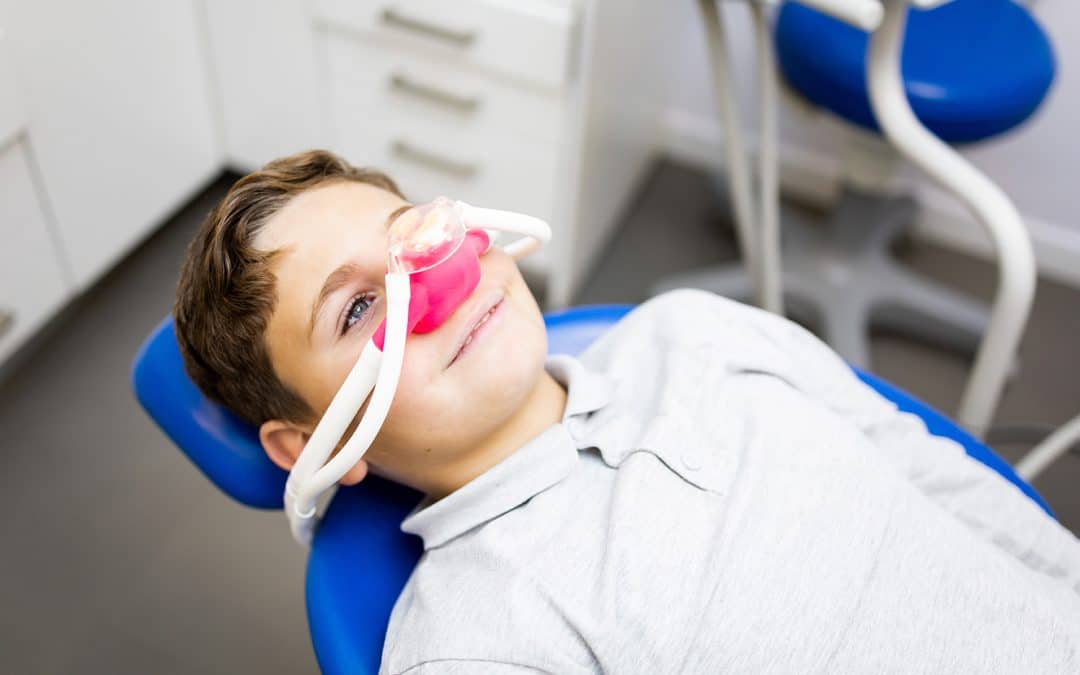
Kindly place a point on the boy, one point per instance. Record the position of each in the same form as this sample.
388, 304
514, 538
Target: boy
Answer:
709, 489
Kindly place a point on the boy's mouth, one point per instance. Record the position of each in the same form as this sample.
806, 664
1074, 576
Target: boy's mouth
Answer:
476, 325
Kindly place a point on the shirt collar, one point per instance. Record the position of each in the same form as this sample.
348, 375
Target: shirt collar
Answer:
536, 466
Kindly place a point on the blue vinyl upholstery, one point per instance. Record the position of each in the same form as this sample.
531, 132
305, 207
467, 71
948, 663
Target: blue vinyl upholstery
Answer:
972, 69
224, 447
360, 559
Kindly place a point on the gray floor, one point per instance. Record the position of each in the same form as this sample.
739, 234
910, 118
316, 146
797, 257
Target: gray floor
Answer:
120, 558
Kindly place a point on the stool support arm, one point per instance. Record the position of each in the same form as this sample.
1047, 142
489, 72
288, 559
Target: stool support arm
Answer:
989, 204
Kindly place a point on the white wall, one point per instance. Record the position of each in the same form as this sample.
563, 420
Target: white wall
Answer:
1037, 164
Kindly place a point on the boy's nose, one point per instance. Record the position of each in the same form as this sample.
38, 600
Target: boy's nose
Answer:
438, 291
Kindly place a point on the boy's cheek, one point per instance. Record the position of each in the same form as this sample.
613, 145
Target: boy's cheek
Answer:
420, 418
421, 389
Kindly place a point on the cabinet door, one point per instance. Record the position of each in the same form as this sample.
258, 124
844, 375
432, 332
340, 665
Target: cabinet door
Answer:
119, 112
12, 113
266, 70
32, 282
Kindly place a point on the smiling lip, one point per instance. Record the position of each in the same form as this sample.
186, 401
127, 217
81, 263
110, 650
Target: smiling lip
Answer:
483, 312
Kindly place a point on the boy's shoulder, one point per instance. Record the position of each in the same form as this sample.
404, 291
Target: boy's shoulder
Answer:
694, 320
675, 354
689, 307
679, 345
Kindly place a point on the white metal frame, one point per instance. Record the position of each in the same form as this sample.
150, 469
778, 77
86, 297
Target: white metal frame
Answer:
758, 228
758, 224
1056, 445
769, 283
739, 179
989, 204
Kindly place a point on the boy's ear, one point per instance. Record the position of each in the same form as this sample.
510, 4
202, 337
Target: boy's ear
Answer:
282, 442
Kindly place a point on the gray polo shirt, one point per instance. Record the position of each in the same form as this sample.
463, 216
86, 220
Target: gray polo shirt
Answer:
723, 495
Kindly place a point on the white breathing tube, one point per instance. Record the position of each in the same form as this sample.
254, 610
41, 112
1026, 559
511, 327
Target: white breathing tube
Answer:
374, 368
312, 474
535, 232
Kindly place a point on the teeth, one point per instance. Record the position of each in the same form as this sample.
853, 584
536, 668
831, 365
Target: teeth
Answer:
484, 318
479, 323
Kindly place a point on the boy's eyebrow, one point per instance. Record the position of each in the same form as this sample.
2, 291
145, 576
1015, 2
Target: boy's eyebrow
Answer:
333, 282
395, 213
338, 277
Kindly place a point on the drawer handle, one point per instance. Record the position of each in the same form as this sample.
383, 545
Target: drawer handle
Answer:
410, 152
406, 84
7, 322
457, 37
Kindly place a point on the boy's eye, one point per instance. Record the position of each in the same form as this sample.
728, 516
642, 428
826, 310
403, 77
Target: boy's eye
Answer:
358, 307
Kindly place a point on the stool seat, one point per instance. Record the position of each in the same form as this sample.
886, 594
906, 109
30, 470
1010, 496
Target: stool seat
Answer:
972, 69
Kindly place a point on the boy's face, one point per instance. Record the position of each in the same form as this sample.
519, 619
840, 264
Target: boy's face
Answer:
330, 299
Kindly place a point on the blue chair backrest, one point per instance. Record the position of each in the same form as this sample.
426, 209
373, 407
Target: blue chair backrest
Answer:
360, 560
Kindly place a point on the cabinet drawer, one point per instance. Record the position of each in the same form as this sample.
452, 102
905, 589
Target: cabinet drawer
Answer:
32, 281
529, 40
492, 167
12, 112
498, 169
421, 90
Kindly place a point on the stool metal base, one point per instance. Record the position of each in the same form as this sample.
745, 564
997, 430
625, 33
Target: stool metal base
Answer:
842, 275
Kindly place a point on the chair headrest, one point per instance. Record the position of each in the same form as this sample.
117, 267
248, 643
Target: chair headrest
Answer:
224, 447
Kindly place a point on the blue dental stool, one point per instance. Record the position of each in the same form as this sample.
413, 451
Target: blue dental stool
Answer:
973, 70
359, 559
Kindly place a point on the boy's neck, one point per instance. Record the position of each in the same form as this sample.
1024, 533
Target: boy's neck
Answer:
543, 408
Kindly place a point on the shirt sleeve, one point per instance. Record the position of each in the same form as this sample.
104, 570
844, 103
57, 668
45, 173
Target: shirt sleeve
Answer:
468, 667
978, 496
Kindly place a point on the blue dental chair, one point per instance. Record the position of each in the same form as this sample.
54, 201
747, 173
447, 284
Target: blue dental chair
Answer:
360, 560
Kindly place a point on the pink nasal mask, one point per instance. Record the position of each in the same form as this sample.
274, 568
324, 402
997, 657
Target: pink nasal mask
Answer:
433, 267
441, 255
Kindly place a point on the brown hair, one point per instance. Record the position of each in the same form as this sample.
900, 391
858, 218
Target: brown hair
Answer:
226, 291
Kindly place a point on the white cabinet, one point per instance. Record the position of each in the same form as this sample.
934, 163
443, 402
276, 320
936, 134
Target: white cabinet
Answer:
119, 116
466, 101
443, 130
32, 281
544, 106
12, 110
528, 40
264, 64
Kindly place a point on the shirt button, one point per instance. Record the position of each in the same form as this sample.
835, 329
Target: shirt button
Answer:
691, 459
